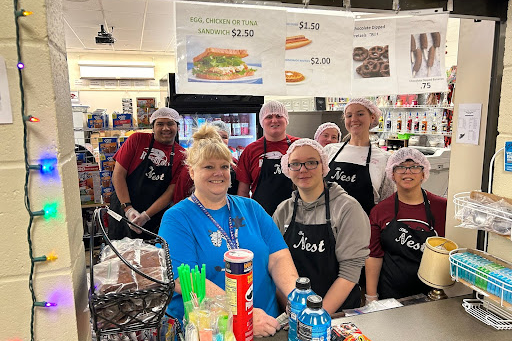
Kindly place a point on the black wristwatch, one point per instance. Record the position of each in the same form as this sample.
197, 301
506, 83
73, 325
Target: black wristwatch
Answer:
126, 204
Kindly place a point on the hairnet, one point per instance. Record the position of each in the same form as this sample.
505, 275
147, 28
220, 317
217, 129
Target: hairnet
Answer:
273, 107
372, 108
222, 126
325, 126
305, 142
404, 154
165, 113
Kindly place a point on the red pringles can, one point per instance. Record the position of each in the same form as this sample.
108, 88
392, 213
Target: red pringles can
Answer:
239, 291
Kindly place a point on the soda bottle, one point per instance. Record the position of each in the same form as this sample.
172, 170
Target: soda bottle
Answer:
417, 124
399, 122
381, 123
189, 125
227, 119
314, 323
244, 124
181, 127
296, 304
409, 123
235, 125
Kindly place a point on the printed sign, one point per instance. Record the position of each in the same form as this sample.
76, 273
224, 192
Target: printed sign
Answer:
318, 52
373, 58
229, 49
421, 42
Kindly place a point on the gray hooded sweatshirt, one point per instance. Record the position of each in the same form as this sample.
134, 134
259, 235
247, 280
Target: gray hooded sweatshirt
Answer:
350, 226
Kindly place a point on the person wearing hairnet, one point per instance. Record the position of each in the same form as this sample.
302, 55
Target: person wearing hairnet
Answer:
185, 185
399, 227
327, 133
259, 167
147, 167
357, 165
326, 229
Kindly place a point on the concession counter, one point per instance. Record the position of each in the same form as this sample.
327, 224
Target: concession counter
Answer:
438, 320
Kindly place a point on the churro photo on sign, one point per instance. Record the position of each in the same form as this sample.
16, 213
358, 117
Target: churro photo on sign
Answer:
425, 59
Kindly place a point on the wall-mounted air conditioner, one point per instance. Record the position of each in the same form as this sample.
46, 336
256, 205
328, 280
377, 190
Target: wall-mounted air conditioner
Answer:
105, 70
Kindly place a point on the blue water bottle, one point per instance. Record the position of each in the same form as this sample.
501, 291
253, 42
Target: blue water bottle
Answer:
314, 323
296, 304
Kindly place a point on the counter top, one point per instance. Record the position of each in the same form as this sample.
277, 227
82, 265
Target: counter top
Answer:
439, 320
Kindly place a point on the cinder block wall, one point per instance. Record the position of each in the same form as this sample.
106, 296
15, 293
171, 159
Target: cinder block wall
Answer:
47, 96
502, 184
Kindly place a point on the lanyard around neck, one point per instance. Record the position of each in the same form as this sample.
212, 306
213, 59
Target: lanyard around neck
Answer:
231, 240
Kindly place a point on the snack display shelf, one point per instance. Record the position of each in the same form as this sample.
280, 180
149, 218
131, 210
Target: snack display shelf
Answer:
109, 129
416, 107
480, 211
409, 133
490, 308
231, 137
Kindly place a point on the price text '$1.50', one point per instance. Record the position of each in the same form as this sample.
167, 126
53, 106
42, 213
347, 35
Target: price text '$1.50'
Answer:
304, 25
236, 32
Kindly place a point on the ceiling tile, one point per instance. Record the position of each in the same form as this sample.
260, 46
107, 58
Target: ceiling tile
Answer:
126, 45
124, 20
81, 5
159, 22
84, 18
165, 36
122, 34
159, 46
160, 6
125, 6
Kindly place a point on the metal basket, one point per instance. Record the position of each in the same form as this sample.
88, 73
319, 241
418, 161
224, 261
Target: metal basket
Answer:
135, 310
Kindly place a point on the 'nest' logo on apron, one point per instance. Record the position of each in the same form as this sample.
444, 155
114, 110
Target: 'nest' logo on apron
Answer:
304, 245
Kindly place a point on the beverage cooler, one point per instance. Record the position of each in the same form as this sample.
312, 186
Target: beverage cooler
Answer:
240, 113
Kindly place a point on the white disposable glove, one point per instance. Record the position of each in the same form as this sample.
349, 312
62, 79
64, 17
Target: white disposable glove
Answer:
132, 214
370, 298
141, 219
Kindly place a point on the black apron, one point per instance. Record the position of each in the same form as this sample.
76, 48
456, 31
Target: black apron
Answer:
313, 249
143, 193
273, 186
355, 179
399, 274
233, 189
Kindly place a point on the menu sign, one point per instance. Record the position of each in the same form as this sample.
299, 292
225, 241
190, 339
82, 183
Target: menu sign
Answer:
420, 54
373, 58
229, 49
318, 50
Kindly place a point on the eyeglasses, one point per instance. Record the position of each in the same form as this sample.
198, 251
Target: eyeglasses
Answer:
309, 165
403, 169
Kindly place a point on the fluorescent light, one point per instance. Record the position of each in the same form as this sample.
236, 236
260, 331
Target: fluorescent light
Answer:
117, 72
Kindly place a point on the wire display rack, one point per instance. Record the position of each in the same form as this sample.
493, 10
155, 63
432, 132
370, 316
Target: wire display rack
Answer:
488, 313
494, 309
478, 213
129, 311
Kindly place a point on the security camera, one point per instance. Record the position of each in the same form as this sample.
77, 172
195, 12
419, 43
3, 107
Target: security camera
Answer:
104, 37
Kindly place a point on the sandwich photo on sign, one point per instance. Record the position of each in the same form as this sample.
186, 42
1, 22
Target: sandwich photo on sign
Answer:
222, 65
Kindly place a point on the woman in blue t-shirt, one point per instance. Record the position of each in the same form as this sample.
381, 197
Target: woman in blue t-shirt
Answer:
196, 237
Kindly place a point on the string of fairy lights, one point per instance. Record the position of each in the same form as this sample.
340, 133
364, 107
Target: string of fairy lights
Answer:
46, 167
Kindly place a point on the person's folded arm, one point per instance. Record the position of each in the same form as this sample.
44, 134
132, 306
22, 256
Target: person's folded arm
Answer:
162, 202
337, 294
372, 271
283, 271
